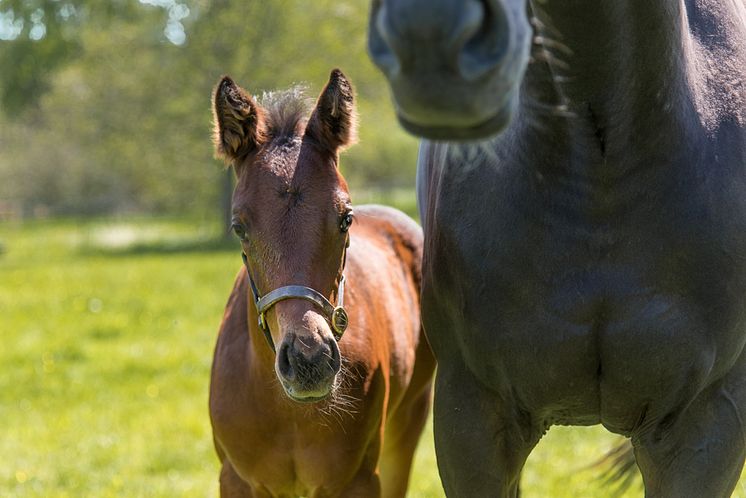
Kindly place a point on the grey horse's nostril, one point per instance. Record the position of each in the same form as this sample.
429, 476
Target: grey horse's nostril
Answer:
486, 46
464, 42
383, 43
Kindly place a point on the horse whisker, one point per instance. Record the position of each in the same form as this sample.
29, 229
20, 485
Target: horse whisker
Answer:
544, 55
550, 43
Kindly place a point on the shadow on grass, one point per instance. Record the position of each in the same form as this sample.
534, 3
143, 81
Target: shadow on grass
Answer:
164, 246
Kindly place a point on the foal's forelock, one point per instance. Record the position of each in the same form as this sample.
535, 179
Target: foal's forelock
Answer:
286, 111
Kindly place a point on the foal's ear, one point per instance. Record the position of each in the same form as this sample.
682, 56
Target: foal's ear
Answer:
238, 122
333, 121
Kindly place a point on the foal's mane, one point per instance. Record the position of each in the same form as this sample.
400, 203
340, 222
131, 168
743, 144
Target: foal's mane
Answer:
286, 112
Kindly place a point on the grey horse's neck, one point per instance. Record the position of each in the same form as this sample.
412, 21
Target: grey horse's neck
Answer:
626, 72
619, 69
614, 49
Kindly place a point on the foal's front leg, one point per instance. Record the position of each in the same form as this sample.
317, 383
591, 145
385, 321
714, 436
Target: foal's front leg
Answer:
481, 441
231, 484
366, 484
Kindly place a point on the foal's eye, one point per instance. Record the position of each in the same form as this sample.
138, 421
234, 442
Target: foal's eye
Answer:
239, 230
346, 222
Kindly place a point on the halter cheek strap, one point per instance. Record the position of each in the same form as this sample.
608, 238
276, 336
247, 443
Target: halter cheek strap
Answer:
335, 315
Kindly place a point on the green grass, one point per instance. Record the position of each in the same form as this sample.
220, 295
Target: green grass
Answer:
107, 336
105, 365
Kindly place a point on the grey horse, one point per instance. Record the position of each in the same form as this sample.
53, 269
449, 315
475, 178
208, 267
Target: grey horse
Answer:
582, 188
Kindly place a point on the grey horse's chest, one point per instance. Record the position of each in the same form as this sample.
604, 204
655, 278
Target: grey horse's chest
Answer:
584, 303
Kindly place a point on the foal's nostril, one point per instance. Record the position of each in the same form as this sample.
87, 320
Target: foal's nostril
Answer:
334, 358
297, 362
322, 356
285, 362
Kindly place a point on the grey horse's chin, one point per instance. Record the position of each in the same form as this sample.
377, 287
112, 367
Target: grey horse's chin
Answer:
482, 128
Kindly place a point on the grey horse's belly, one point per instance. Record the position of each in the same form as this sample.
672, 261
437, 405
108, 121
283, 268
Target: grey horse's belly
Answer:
575, 333
585, 301
597, 347
603, 358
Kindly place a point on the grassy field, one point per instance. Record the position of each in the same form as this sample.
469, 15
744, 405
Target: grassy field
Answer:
107, 335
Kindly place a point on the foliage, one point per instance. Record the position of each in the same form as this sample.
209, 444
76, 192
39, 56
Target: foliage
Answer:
110, 110
41, 36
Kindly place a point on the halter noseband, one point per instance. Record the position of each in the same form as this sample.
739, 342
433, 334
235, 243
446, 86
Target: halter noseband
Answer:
335, 315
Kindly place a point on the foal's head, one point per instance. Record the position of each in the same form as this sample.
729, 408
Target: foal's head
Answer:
291, 212
455, 66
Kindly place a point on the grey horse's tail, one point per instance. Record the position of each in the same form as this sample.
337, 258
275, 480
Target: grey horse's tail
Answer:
618, 468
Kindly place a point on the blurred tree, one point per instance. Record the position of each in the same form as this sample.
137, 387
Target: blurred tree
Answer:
34, 44
108, 110
40, 36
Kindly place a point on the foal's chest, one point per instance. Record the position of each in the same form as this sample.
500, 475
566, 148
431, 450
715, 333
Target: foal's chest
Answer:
278, 462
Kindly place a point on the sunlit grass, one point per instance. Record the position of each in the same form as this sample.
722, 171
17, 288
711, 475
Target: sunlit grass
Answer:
105, 366
105, 362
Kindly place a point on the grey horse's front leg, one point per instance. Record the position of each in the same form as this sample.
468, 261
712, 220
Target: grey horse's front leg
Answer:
481, 441
701, 453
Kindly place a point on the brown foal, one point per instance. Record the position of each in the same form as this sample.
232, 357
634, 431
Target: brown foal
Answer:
318, 417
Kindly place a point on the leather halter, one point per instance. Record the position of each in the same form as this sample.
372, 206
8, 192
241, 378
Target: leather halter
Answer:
335, 315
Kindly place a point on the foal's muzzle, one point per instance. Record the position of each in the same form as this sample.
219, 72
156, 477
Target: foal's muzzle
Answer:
307, 368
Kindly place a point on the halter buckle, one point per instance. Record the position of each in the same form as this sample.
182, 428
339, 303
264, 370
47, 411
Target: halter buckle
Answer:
339, 321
